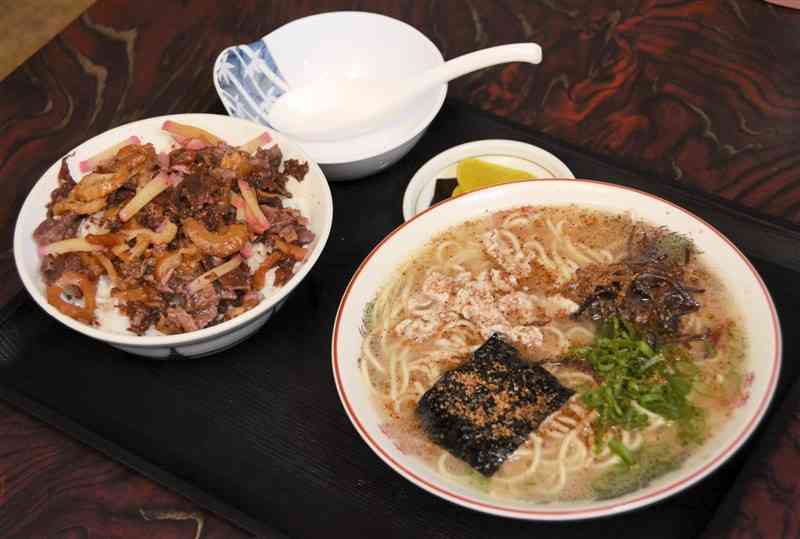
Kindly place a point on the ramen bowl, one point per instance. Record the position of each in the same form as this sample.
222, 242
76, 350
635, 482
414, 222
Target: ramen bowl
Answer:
348, 44
313, 192
746, 290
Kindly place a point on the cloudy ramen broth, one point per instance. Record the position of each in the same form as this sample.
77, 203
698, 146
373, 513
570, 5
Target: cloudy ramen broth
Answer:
510, 273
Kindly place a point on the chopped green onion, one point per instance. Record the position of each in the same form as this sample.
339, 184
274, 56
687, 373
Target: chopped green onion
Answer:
631, 371
619, 449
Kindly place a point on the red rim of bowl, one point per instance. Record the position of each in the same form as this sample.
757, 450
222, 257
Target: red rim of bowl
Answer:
573, 514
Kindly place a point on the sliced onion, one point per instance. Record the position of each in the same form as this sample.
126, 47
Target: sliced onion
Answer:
108, 266
212, 275
119, 251
253, 214
238, 202
166, 265
195, 144
190, 132
183, 169
142, 243
151, 190
163, 160
252, 145
69, 246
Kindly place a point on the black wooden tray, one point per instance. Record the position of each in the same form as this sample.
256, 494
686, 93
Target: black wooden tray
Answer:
257, 433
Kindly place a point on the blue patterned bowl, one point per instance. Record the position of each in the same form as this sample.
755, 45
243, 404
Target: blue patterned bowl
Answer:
248, 81
249, 78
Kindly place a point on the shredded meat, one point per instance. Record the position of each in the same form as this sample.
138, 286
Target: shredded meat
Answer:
238, 279
65, 185
202, 306
53, 266
55, 229
197, 190
151, 216
295, 168
141, 315
182, 156
289, 224
121, 195
284, 271
148, 204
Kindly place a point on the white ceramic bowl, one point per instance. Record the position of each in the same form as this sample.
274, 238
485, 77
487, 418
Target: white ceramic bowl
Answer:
511, 153
746, 287
313, 190
345, 44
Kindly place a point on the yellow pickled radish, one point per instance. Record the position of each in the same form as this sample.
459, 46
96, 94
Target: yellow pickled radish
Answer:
474, 173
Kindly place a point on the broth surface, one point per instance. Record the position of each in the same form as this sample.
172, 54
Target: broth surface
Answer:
510, 273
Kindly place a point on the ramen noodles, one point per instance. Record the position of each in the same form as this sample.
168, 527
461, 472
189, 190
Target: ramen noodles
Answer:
553, 353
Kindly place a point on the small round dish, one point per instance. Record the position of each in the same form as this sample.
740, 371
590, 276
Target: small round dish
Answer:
539, 162
313, 190
759, 323
348, 44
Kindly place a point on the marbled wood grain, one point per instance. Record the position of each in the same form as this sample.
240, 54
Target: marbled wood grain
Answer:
698, 92
765, 503
119, 62
53, 487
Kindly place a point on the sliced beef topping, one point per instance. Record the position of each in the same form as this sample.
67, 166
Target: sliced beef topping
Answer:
151, 216
288, 224
53, 266
182, 156
121, 195
269, 199
272, 156
65, 185
141, 315
152, 273
197, 190
207, 198
284, 271
202, 306
296, 169
238, 279
304, 236
170, 321
55, 229
215, 216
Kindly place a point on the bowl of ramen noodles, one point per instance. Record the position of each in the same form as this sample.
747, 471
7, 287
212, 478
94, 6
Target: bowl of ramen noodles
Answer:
555, 349
174, 236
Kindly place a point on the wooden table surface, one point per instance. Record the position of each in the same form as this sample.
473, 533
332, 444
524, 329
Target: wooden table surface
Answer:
702, 93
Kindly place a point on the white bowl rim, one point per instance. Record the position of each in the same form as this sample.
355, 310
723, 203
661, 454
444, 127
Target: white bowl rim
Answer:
612, 508
477, 148
362, 155
192, 337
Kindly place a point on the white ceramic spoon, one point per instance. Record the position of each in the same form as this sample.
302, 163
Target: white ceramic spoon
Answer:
327, 109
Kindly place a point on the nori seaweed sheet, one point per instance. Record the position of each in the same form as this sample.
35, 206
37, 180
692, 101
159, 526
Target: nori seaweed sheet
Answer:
484, 409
